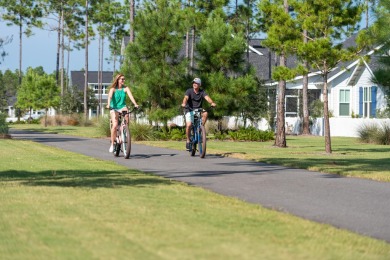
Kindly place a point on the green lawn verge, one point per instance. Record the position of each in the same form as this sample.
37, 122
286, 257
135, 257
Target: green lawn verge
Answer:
349, 157
61, 205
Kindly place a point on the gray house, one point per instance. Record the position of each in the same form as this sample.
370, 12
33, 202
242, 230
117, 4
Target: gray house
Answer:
77, 78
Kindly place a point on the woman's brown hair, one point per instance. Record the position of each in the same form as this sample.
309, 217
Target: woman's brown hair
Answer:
115, 82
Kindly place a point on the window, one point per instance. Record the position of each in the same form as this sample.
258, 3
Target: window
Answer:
344, 101
367, 101
96, 89
291, 106
291, 102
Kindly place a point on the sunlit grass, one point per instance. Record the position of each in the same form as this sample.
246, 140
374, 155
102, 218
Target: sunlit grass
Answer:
61, 205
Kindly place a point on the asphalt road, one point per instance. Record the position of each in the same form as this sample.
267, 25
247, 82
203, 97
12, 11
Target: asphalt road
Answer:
358, 205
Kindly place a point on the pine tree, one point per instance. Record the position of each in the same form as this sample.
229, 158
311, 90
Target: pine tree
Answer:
327, 23
283, 36
152, 62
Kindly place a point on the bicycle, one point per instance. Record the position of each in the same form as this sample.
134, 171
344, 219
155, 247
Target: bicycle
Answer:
122, 141
198, 134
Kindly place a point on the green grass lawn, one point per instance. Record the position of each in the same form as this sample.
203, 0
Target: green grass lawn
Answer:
61, 205
349, 156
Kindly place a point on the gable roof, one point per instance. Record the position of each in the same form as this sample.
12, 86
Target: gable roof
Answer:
77, 78
264, 60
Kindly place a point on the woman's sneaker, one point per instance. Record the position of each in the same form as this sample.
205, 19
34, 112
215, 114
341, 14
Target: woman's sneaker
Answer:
111, 149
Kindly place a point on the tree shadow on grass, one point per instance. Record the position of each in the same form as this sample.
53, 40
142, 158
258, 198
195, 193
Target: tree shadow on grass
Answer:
83, 179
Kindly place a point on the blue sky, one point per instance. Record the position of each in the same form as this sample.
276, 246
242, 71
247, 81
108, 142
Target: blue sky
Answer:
40, 50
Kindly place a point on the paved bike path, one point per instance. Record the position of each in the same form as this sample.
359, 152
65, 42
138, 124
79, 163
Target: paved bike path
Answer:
358, 205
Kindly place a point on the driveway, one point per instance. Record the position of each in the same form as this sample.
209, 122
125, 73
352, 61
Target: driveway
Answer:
359, 205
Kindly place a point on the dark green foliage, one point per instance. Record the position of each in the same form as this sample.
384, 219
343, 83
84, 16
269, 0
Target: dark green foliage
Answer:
152, 62
251, 134
173, 133
3, 124
103, 125
141, 132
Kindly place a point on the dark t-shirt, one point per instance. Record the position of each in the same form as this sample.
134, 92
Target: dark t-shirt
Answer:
194, 100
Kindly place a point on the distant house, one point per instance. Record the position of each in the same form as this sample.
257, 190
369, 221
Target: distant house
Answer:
351, 90
77, 78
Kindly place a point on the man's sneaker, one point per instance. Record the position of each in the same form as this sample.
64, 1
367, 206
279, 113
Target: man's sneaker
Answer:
188, 146
111, 149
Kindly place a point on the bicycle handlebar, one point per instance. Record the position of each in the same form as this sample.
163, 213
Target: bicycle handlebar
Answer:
126, 112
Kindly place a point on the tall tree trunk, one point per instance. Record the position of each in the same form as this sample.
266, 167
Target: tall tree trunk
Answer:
58, 51
187, 43
132, 20
99, 71
67, 65
100, 80
280, 140
62, 53
20, 50
328, 147
192, 49
86, 64
306, 121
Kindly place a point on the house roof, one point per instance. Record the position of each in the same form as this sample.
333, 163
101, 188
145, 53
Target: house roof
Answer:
77, 78
264, 60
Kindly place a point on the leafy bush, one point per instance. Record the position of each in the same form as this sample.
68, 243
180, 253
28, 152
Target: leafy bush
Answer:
368, 133
220, 136
162, 134
103, 125
60, 120
177, 134
3, 124
141, 132
251, 134
383, 135
375, 134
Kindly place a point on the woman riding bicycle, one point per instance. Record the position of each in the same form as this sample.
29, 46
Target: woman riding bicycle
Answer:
117, 103
193, 99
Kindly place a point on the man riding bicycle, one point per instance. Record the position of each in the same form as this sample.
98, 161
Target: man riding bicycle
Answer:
193, 99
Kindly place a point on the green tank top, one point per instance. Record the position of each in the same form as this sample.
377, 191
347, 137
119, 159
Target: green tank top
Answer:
118, 100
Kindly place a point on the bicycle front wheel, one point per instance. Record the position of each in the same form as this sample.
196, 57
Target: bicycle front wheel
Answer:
202, 142
126, 142
193, 142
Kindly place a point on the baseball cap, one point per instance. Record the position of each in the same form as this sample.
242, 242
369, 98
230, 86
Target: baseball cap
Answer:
197, 81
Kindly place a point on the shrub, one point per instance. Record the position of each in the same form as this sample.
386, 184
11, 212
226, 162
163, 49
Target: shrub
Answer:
3, 124
251, 134
383, 135
161, 134
367, 133
177, 134
103, 126
220, 136
60, 120
141, 132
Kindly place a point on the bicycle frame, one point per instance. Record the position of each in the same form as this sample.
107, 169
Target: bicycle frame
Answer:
198, 134
123, 137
